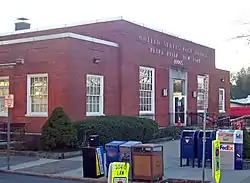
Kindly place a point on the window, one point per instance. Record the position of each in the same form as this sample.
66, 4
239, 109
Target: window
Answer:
221, 100
147, 90
179, 87
94, 95
37, 95
4, 90
200, 93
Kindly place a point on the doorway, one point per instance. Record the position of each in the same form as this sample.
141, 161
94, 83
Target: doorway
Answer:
179, 109
178, 84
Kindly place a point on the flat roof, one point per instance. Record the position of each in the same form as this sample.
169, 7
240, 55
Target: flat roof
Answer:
58, 36
97, 21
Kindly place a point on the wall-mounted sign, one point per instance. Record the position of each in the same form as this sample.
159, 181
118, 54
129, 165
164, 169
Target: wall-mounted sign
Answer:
169, 49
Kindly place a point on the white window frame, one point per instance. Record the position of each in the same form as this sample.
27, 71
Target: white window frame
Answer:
101, 109
35, 114
5, 114
203, 77
224, 102
152, 112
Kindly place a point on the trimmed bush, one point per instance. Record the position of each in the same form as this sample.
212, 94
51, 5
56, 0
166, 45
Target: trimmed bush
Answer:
246, 143
111, 128
170, 131
58, 132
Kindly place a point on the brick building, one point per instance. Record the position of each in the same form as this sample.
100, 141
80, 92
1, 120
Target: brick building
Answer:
113, 67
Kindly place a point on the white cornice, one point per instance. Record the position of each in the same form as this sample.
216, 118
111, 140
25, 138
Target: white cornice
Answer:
58, 36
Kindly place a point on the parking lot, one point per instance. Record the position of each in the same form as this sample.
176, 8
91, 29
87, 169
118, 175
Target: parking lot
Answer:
72, 167
173, 169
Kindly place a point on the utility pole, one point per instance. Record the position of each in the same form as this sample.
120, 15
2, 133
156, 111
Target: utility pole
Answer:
9, 103
206, 91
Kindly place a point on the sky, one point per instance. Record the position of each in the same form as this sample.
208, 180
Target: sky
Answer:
213, 23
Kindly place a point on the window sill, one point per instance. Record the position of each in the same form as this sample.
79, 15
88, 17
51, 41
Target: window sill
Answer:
36, 115
222, 111
94, 114
3, 114
200, 111
146, 113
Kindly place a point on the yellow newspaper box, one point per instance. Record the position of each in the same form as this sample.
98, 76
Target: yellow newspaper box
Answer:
118, 172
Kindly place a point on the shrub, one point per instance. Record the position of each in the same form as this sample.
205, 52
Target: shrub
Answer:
111, 128
58, 132
170, 131
246, 143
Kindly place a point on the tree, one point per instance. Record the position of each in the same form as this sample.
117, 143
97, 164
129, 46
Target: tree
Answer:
58, 132
240, 83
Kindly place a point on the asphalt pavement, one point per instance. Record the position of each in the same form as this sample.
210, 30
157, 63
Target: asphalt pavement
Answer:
72, 167
12, 178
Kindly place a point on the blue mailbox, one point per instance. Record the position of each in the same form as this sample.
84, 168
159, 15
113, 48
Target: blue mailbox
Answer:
113, 152
188, 146
210, 136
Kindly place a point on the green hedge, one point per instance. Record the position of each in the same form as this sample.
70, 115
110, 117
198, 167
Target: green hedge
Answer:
111, 128
246, 144
171, 131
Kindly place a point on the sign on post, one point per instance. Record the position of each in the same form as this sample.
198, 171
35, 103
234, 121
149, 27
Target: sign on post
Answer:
118, 172
206, 91
216, 161
9, 101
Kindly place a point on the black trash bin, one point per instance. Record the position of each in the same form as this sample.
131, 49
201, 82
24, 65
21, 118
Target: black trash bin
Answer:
93, 162
94, 140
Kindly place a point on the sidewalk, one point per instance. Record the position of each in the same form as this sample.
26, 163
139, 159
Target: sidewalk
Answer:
71, 167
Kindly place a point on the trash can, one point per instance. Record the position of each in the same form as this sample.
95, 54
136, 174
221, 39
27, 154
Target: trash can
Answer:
210, 136
147, 162
188, 146
93, 162
113, 152
126, 154
94, 140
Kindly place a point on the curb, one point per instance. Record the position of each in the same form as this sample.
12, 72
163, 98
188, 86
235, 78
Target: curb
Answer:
41, 154
87, 180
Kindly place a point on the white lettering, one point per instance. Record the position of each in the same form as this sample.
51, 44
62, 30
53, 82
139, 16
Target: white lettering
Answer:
168, 49
178, 62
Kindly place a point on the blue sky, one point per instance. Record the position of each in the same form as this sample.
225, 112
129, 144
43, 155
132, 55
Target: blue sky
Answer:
212, 23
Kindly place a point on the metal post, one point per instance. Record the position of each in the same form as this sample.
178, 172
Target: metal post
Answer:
204, 146
8, 140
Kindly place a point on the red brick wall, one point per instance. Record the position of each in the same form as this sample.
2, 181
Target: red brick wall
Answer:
81, 64
131, 54
40, 57
135, 53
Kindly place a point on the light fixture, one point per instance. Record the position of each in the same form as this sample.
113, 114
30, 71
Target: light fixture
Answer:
96, 60
164, 92
222, 79
20, 61
194, 94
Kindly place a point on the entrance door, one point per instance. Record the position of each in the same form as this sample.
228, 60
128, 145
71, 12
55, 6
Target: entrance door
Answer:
179, 109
